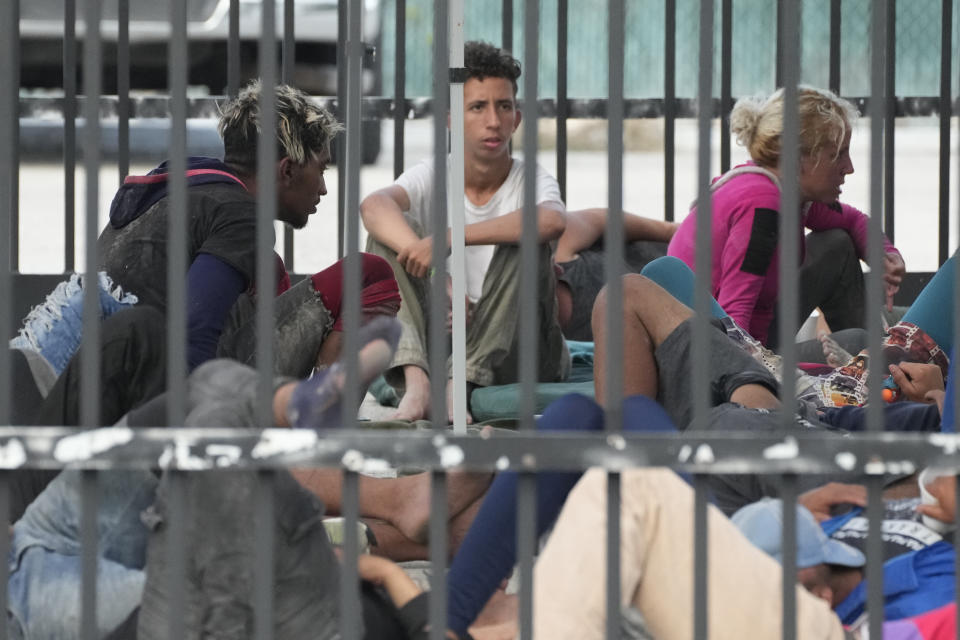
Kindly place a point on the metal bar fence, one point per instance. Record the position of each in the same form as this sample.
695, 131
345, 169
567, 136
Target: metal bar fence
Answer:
529, 451
699, 397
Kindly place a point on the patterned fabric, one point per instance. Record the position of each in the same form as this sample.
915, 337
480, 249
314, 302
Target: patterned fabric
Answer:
846, 385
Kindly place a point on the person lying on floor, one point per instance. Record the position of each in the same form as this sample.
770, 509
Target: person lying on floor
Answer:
45, 556
914, 350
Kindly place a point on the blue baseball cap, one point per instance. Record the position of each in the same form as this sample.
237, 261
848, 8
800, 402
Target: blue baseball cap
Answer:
762, 524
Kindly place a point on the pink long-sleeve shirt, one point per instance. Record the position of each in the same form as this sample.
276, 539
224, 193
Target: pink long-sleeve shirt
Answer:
745, 267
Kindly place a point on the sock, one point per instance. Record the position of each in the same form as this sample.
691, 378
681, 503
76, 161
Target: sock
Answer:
316, 402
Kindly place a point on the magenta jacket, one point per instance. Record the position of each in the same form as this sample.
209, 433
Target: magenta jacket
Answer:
746, 202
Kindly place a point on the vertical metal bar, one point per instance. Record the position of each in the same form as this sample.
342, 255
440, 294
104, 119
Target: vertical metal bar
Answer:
563, 108
13, 52
69, 133
456, 210
349, 579
614, 234
613, 247
889, 118
789, 28
351, 272
669, 107
529, 317
123, 89
701, 328
526, 547
89, 348
507, 25
288, 61
263, 614
954, 381
233, 49
176, 550
9, 122
341, 154
399, 86
177, 242
437, 609
350, 34
700, 559
789, 499
835, 21
90, 503
4, 535
289, 54
177, 228
437, 348
779, 44
790, 227
946, 91
874, 299
266, 211
726, 81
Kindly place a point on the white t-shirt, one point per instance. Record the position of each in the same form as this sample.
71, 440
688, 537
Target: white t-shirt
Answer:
417, 181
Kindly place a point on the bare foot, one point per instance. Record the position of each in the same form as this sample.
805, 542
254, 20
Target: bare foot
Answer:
835, 355
450, 403
415, 404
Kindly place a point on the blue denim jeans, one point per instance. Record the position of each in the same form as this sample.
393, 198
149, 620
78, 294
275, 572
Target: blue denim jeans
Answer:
54, 328
46, 559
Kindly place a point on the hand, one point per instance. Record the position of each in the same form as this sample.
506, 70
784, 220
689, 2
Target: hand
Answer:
390, 576
916, 380
819, 501
375, 569
944, 489
937, 397
417, 257
893, 271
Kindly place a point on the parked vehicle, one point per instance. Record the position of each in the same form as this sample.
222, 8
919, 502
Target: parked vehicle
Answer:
315, 31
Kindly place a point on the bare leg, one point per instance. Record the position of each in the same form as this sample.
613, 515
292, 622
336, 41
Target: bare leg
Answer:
415, 404
403, 502
330, 349
391, 543
650, 314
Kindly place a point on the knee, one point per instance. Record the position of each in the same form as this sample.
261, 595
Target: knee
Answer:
572, 412
835, 243
375, 269
142, 320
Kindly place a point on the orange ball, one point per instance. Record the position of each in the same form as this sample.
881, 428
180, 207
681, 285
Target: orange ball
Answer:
888, 395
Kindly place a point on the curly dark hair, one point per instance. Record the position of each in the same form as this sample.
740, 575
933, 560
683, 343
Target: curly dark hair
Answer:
483, 60
304, 128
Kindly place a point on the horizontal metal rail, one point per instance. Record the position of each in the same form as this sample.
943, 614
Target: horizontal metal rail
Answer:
52, 106
377, 450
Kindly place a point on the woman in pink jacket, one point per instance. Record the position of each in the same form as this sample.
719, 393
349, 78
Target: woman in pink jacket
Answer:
745, 221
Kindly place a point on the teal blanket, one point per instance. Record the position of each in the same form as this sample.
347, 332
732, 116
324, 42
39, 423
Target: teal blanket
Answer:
503, 401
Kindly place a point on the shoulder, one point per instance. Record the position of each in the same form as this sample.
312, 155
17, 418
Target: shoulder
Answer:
746, 193
417, 177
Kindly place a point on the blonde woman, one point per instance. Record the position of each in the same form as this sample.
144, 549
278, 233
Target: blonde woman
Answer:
746, 218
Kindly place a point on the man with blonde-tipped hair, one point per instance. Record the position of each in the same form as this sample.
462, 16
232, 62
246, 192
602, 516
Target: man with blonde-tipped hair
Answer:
222, 223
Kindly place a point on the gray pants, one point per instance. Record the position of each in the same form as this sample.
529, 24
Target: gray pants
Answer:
301, 324
493, 333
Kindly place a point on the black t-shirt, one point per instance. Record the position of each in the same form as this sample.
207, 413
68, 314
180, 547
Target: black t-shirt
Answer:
902, 529
222, 223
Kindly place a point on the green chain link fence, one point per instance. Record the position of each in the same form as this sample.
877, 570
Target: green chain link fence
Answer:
754, 45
